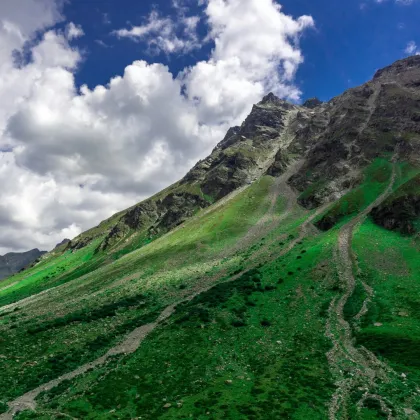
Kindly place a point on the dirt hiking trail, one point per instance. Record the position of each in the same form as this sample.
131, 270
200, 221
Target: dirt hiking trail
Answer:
354, 368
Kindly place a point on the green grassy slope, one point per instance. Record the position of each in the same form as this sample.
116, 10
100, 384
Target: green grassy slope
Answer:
389, 263
253, 282
44, 325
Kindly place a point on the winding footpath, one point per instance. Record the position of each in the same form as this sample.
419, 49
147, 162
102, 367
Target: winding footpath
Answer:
129, 345
354, 367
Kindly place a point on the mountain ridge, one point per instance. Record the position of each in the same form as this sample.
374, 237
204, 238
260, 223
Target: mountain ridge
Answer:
278, 279
330, 136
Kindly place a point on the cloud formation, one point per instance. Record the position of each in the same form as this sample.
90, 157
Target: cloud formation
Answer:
165, 34
73, 31
412, 49
70, 158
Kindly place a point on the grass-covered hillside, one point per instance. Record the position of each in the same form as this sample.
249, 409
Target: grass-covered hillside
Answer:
245, 311
279, 279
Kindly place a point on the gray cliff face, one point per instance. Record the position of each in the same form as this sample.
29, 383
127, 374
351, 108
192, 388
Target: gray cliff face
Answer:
366, 122
245, 151
335, 140
14, 262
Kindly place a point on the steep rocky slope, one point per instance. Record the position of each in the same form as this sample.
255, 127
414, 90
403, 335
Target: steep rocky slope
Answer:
364, 123
278, 279
240, 158
15, 261
336, 140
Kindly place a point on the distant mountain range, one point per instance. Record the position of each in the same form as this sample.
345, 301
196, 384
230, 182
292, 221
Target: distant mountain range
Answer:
15, 261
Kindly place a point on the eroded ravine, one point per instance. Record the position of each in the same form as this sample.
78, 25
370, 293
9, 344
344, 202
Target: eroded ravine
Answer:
353, 367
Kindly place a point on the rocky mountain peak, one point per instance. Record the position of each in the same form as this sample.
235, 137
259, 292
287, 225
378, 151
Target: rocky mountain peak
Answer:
410, 65
273, 100
269, 98
312, 103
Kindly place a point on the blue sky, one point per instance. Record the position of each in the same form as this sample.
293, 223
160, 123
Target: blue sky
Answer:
106, 102
352, 39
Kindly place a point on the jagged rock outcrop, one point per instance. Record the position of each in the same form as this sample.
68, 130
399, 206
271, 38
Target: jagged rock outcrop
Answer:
281, 161
14, 262
176, 208
155, 216
244, 150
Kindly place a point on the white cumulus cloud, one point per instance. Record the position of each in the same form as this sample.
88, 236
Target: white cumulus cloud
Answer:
70, 158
